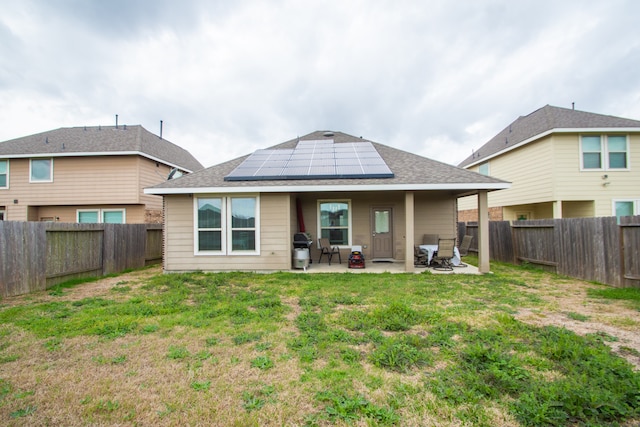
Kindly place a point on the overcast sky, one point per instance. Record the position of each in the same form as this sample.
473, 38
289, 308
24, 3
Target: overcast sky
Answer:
437, 78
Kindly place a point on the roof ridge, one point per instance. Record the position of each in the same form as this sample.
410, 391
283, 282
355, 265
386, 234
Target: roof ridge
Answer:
541, 121
100, 140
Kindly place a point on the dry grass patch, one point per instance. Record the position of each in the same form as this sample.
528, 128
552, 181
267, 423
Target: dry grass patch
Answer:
293, 349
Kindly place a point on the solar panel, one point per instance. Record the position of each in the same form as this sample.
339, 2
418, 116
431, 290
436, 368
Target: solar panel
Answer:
372, 161
349, 170
313, 159
343, 162
298, 163
269, 172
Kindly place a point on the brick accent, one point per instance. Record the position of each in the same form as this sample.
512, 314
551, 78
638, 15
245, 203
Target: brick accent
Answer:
495, 214
153, 216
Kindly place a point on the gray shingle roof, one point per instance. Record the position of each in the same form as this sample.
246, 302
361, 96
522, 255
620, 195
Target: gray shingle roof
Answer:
543, 120
97, 140
409, 169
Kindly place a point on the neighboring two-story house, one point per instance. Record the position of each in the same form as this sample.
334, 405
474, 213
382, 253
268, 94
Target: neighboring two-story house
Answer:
88, 175
562, 163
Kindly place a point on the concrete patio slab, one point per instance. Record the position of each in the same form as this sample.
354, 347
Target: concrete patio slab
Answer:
380, 267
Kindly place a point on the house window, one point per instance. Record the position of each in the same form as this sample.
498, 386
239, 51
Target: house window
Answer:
335, 221
604, 152
617, 150
97, 216
4, 174
243, 224
113, 216
2, 213
626, 208
87, 216
227, 225
41, 170
484, 168
210, 225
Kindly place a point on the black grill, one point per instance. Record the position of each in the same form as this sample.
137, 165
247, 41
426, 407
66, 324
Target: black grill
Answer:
300, 240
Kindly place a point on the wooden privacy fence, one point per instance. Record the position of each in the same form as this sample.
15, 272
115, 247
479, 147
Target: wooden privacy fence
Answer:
38, 255
595, 249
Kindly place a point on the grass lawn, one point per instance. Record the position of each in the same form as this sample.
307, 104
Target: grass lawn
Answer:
520, 347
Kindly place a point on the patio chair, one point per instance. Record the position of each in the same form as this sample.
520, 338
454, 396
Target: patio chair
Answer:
328, 250
430, 239
419, 257
444, 255
463, 249
464, 246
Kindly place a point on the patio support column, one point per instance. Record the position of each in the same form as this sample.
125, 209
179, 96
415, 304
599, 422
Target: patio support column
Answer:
408, 232
483, 232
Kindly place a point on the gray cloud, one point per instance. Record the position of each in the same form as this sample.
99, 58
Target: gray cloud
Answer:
230, 77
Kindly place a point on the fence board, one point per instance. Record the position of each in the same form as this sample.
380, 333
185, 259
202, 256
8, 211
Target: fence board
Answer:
630, 248
22, 257
153, 249
74, 252
38, 255
595, 249
124, 247
501, 241
534, 241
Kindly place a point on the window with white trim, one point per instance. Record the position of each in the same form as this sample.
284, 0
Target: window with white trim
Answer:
483, 168
99, 216
243, 224
113, 216
41, 170
626, 207
227, 225
335, 221
86, 216
604, 152
4, 173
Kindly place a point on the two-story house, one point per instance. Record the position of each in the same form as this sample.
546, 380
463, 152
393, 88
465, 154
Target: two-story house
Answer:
88, 175
562, 163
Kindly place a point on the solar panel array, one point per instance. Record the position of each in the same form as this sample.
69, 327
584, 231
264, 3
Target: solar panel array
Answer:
316, 159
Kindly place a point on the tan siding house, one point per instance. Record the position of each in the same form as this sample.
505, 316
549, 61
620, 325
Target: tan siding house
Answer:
243, 214
87, 174
562, 163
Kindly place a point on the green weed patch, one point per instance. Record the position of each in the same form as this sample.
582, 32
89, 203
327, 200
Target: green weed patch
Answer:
629, 295
342, 346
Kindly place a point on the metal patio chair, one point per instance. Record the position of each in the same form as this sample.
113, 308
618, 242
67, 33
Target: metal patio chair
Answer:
419, 257
328, 250
444, 255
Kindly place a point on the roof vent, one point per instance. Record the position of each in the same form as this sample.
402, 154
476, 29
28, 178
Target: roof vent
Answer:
328, 134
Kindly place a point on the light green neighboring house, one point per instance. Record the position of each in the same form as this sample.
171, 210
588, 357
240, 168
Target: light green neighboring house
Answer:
562, 163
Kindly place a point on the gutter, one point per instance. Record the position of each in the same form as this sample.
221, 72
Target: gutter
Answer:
329, 188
